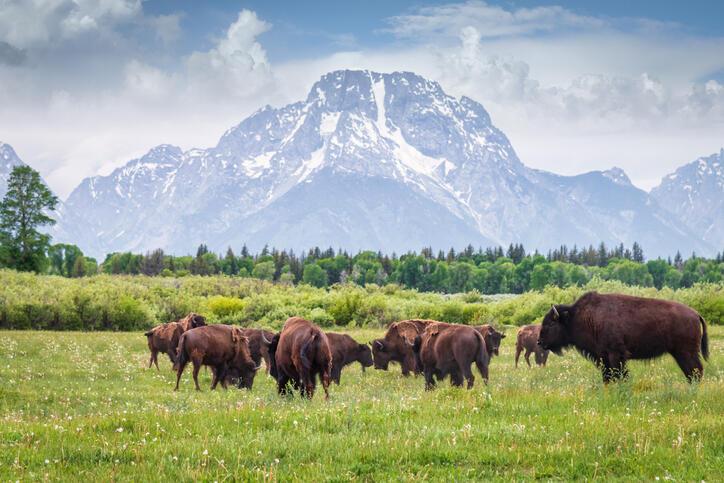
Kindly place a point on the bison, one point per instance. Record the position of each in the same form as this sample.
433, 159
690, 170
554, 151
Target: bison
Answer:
164, 338
259, 340
223, 347
396, 345
527, 341
611, 329
301, 353
345, 351
492, 337
450, 349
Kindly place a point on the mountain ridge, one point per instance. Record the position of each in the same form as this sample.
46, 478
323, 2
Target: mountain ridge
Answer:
450, 176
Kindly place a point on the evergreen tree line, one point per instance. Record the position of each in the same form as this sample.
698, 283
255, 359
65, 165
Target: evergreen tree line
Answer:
490, 270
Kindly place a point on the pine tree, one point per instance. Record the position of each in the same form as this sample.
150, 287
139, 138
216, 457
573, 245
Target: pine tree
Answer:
637, 253
22, 212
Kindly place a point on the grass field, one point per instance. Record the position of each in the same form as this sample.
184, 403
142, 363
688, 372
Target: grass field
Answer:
83, 406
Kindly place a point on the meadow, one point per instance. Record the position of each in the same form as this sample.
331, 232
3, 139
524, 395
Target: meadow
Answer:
83, 405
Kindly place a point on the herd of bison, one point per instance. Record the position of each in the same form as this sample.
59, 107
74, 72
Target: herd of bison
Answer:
608, 329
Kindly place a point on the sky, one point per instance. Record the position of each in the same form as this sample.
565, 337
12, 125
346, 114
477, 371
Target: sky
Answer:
86, 85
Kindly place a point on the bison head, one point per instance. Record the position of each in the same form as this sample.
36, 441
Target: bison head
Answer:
554, 332
197, 321
494, 338
380, 354
243, 364
364, 356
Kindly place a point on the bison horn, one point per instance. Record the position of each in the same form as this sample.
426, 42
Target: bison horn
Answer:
266, 341
555, 311
379, 344
257, 368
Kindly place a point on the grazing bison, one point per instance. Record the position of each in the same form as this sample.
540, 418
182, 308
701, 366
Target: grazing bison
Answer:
450, 349
164, 338
528, 336
301, 352
345, 351
396, 345
223, 347
612, 329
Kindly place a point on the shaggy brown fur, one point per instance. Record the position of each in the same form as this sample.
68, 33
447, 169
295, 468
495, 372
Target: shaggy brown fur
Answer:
301, 353
450, 349
611, 329
527, 341
164, 338
395, 346
222, 347
345, 351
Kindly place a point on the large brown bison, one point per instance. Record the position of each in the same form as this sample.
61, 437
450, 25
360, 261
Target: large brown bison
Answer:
222, 347
396, 346
527, 341
345, 351
301, 353
611, 329
164, 338
450, 349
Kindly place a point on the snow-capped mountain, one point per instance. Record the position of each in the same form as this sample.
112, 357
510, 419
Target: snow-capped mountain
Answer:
8, 160
695, 193
366, 161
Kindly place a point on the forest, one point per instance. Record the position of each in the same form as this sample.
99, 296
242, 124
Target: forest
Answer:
489, 271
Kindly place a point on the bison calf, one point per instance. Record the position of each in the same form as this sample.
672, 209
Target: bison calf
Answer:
611, 329
528, 336
345, 351
222, 347
164, 338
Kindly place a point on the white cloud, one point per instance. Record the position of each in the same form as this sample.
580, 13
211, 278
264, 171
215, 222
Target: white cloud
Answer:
488, 20
237, 65
27, 23
572, 92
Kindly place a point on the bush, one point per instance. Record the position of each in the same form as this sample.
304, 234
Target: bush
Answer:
121, 302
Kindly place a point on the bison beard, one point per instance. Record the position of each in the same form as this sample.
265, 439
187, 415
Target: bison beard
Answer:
611, 329
301, 353
450, 349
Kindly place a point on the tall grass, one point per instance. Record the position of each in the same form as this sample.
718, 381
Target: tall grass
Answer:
83, 406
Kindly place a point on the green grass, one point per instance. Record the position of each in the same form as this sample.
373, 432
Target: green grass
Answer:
83, 406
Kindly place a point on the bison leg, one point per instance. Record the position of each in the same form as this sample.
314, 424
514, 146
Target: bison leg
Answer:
518, 350
527, 357
614, 368
216, 374
691, 366
197, 366
467, 374
429, 380
282, 384
154, 359
179, 371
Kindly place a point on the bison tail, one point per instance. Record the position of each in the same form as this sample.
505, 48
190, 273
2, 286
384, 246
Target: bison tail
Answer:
704, 339
304, 354
181, 357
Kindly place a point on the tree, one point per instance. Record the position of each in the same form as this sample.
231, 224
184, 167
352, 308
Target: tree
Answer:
79, 267
314, 275
22, 212
152, 262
